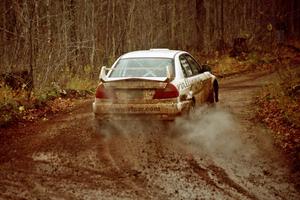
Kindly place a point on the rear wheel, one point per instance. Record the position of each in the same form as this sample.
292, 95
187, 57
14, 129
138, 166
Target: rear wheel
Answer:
216, 91
214, 95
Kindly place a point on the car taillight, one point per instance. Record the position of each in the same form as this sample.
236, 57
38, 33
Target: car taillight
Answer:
170, 91
104, 93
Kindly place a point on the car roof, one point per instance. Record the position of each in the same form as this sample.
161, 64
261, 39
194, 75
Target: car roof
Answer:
152, 53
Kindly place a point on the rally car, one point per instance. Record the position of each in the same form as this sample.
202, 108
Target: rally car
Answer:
158, 84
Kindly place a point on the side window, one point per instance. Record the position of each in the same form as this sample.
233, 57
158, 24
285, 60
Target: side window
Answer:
185, 66
197, 69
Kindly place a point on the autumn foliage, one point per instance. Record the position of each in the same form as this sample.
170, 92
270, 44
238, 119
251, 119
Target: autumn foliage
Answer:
279, 104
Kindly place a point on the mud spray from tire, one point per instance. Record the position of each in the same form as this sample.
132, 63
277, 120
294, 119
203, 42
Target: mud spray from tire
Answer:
213, 154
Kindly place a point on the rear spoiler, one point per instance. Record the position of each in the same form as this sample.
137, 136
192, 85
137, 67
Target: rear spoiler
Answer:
103, 76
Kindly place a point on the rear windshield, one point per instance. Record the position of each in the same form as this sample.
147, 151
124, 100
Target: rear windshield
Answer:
142, 67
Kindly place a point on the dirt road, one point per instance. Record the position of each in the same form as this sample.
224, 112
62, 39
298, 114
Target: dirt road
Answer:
220, 154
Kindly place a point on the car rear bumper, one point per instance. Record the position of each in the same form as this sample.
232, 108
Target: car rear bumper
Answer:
157, 111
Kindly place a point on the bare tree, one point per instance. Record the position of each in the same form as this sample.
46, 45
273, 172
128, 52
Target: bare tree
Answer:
50, 37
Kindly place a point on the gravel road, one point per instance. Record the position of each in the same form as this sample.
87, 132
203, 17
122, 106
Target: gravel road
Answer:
219, 154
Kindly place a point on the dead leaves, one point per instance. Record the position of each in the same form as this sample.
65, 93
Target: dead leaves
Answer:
280, 118
34, 109
51, 107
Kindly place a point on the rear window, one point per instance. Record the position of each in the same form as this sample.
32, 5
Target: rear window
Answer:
142, 67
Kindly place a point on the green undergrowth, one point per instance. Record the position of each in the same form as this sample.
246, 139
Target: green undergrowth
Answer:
225, 65
18, 105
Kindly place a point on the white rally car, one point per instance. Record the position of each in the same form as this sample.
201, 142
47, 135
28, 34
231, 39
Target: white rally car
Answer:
159, 84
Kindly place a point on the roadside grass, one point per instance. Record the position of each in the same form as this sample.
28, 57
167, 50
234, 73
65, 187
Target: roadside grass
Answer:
8, 104
224, 65
79, 86
15, 106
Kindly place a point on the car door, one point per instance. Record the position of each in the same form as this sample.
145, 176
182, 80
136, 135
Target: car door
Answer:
184, 84
200, 82
190, 78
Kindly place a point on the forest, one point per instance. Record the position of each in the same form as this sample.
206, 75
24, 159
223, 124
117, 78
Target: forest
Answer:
49, 37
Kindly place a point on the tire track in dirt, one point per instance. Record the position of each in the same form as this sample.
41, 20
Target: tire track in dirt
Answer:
225, 178
216, 177
66, 157
203, 174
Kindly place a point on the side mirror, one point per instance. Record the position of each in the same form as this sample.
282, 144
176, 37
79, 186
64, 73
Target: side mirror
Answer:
206, 68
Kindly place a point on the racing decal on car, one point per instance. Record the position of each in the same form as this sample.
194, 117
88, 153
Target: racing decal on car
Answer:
183, 85
134, 109
198, 86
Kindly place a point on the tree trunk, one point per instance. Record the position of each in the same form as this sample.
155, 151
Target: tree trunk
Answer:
30, 18
92, 56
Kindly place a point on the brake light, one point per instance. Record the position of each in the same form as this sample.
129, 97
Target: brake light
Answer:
170, 91
104, 93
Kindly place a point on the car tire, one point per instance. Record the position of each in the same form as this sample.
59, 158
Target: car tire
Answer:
216, 91
214, 95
